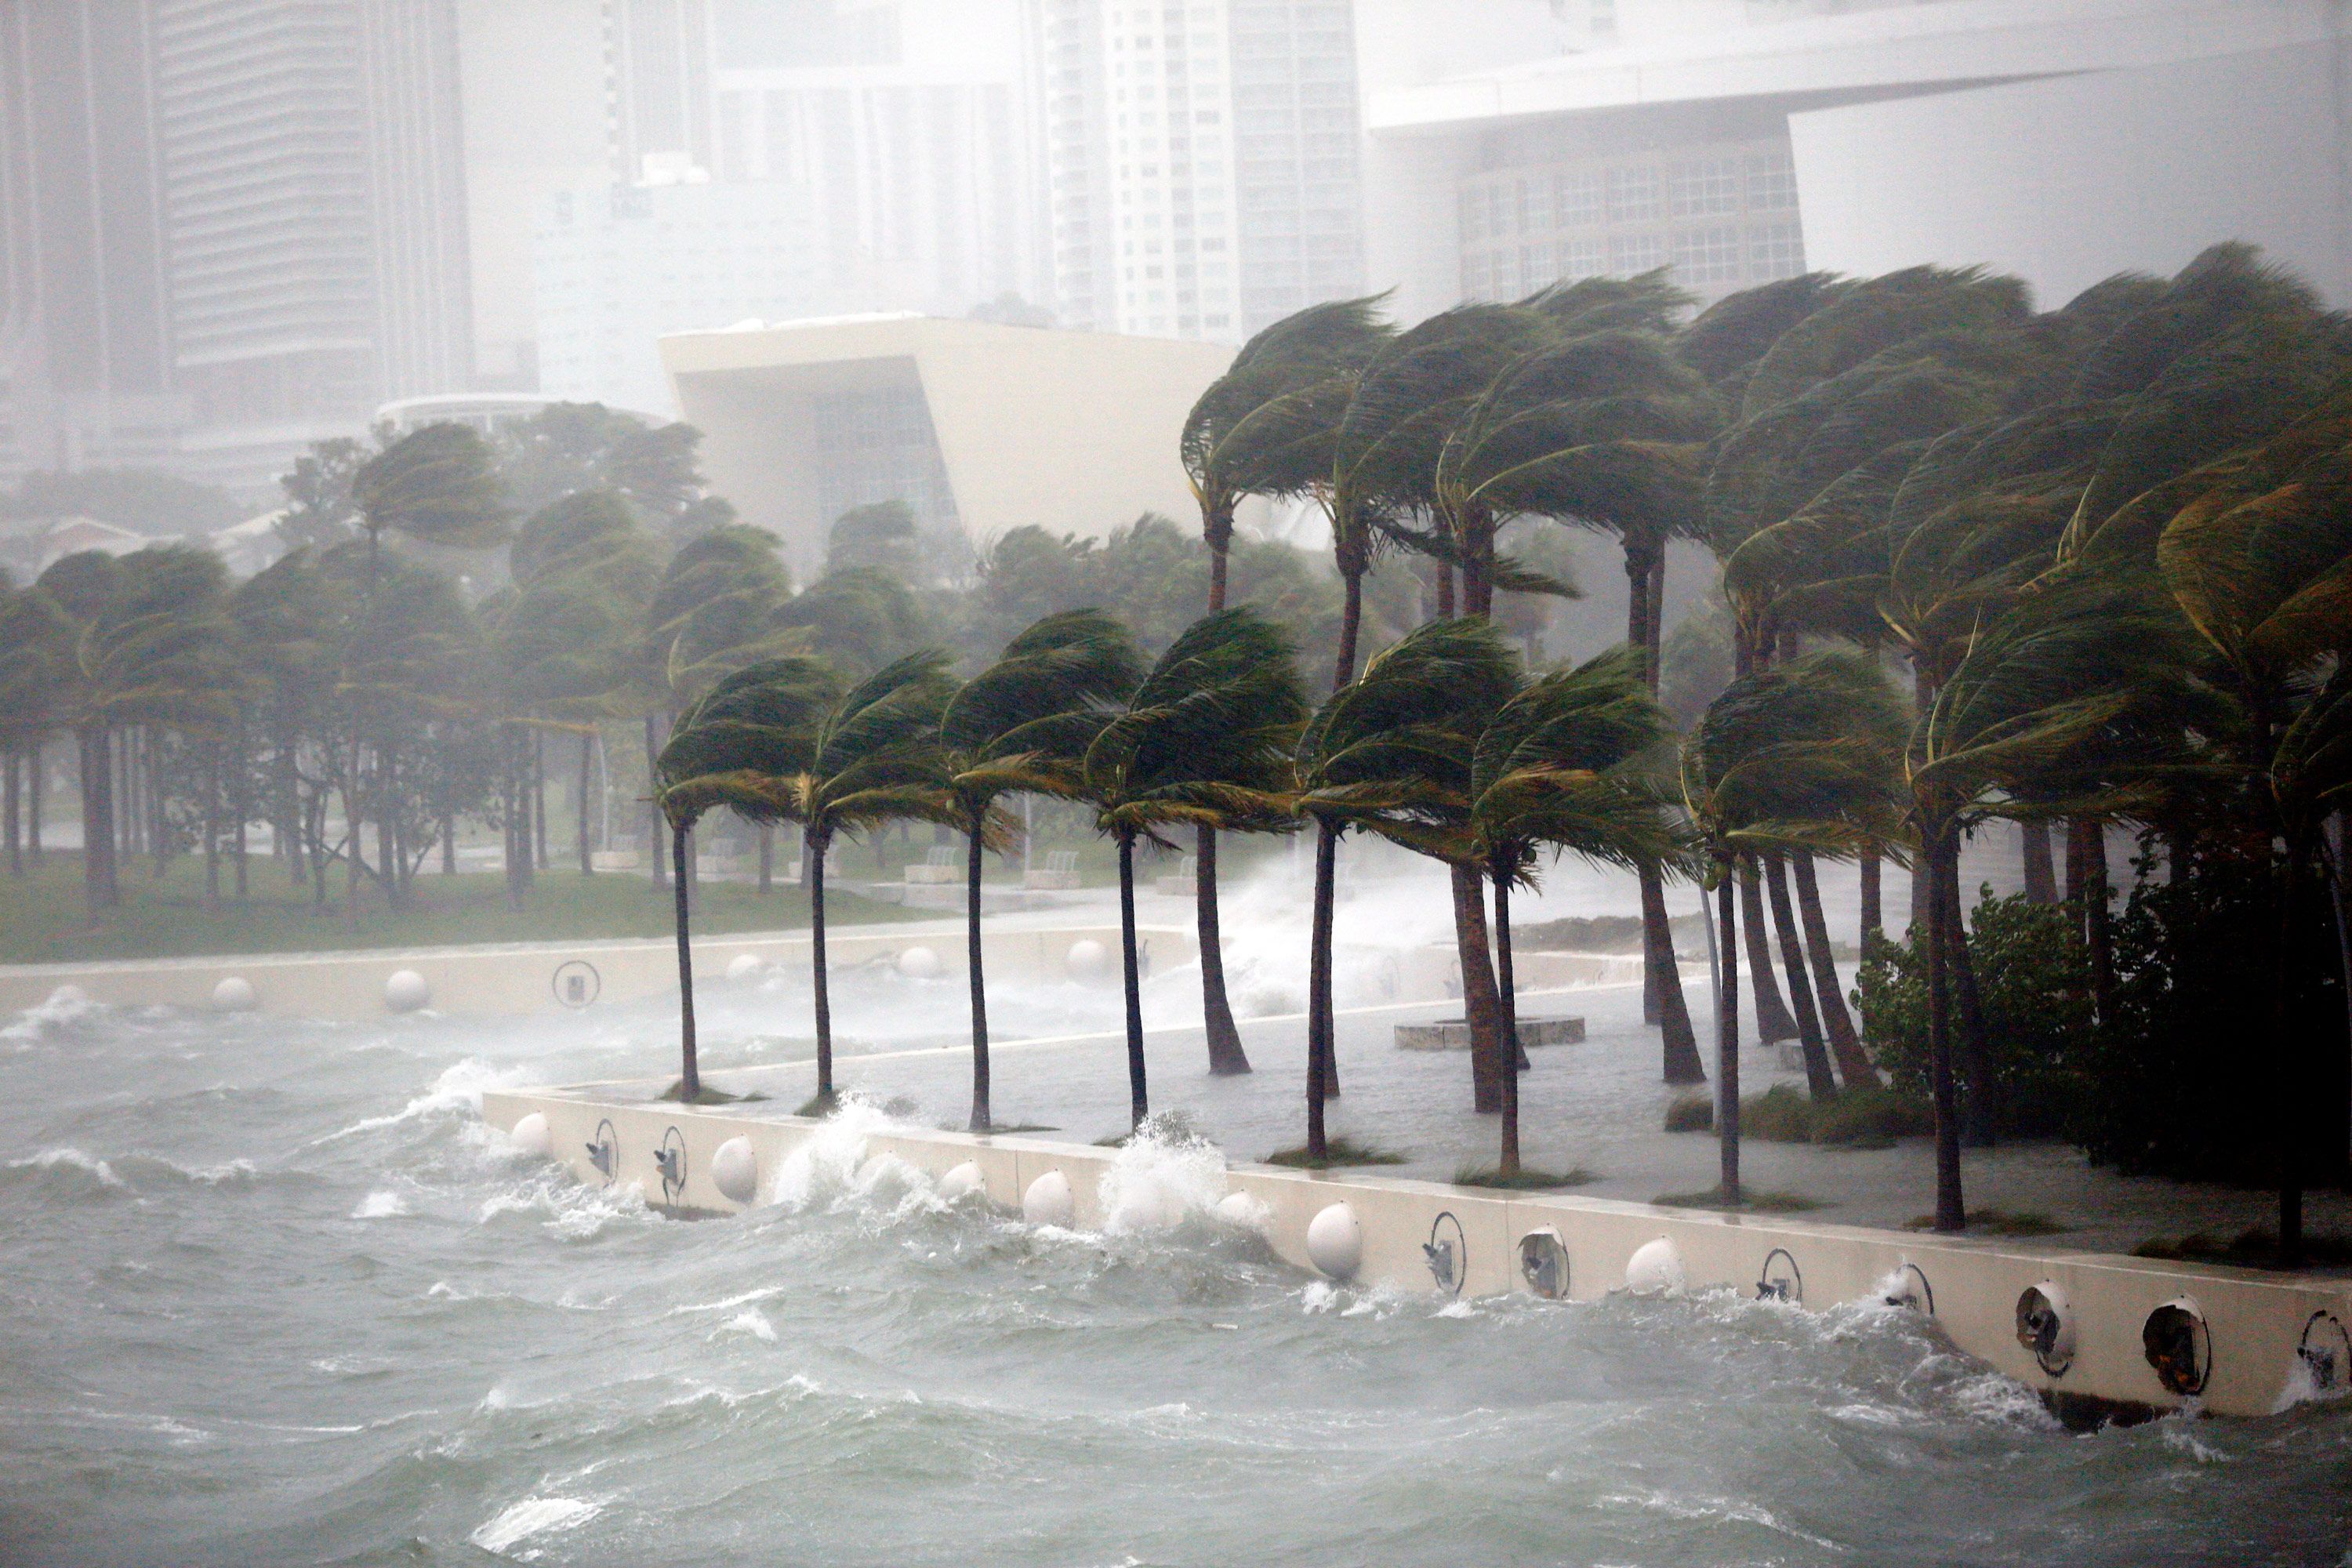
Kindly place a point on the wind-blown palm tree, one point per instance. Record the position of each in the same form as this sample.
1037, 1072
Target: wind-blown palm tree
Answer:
1389, 751
1801, 756
872, 759
33, 650
1204, 740
1267, 428
1557, 769
733, 747
1016, 727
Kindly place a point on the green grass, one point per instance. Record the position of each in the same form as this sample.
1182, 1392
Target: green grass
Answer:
1337, 1153
707, 1095
1751, 1201
43, 920
2254, 1249
1858, 1119
1998, 1222
1525, 1180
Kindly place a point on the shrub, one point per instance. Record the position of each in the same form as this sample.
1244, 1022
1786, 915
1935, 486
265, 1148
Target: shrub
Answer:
1872, 1118
2034, 978
1782, 1114
1690, 1113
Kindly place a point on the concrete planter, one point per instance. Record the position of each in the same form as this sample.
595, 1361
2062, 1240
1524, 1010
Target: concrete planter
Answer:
1453, 1034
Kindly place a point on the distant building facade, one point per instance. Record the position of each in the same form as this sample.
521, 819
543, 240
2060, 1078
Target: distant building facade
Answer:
1202, 162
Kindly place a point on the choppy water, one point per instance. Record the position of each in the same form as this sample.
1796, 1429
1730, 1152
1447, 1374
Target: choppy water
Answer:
269, 1293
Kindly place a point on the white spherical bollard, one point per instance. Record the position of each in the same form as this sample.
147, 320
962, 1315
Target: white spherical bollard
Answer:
1049, 1201
1335, 1242
962, 1181
1087, 960
406, 991
1242, 1211
919, 963
1655, 1269
746, 966
1144, 1204
735, 1171
234, 995
530, 1136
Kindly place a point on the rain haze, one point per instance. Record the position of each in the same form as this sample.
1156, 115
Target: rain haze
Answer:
1069, 782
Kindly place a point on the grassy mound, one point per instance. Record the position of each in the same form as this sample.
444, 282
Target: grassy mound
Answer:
1751, 1201
707, 1094
1998, 1222
1337, 1153
2254, 1249
1859, 1119
1526, 1179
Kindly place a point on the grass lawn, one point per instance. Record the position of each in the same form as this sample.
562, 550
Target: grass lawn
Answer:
42, 918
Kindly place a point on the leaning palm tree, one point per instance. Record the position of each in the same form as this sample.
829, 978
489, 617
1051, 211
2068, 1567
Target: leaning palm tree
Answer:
755, 727
1204, 740
1802, 755
1011, 728
1266, 428
1391, 751
872, 759
1559, 768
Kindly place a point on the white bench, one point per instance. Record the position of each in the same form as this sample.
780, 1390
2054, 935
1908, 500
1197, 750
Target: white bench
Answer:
1059, 873
938, 866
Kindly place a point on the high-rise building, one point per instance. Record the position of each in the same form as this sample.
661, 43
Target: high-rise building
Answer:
314, 199
85, 350
1201, 161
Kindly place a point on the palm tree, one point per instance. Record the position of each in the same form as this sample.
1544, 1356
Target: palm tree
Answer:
32, 650
872, 759
1204, 740
1391, 751
732, 747
1013, 728
1556, 769
1265, 427
1800, 755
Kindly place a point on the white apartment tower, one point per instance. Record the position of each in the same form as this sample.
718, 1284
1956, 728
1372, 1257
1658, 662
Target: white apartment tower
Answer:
1201, 159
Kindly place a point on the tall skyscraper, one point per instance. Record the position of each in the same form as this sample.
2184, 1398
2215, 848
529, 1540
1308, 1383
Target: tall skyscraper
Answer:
85, 352
1201, 161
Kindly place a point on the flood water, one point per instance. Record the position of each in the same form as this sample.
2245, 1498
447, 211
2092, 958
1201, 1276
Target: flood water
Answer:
270, 1292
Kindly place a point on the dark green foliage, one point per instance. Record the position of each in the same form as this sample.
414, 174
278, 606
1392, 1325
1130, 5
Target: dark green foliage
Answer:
1857, 1119
1524, 1180
1998, 1222
1749, 1199
2179, 1078
2035, 979
2256, 1248
1690, 1113
1337, 1153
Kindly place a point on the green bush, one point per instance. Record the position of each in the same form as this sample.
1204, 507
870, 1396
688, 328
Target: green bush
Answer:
1782, 1114
2034, 978
1866, 1118
1691, 1113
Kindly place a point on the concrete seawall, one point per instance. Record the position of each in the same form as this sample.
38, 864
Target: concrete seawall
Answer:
2252, 1343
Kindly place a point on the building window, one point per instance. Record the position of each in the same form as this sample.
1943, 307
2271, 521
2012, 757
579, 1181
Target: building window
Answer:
1576, 199
1473, 276
1772, 183
1579, 258
1702, 188
1705, 256
1775, 251
1474, 213
1630, 253
1633, 196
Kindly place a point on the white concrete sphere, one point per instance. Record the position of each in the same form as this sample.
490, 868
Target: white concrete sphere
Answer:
530, 1136
1242, 1210
234, 995
1335, 1242
2046, 1326
406, 991
735, 1169
746, 966
1049, 1201
919, 963
1655, 1269
1087, 960
962, 1181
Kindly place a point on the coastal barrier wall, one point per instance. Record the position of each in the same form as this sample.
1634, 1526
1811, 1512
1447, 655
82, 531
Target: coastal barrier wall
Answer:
2251, 1342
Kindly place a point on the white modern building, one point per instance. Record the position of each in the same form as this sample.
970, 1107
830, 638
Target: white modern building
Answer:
1737, 141
621, 266
973, 424
1201, 161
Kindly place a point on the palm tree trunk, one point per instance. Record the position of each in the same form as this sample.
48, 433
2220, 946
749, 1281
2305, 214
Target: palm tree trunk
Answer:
35, 761
12, 807
240, 800
819, 983
1818, 1081
1874, 909
1773, 1023
2291, 1076
541, 861
587, 757
2339, 882
96, 752
1481, 1008
211, 829
767, 858
2097, 925
1320, 1019
1662, 1002
981, 1116
2041, 870
1351, 626
1507, 1164
1853, 1062
1226, 1057
1727, 1038
1980, 1107
1139, 1097
689, 1076
1951, 1214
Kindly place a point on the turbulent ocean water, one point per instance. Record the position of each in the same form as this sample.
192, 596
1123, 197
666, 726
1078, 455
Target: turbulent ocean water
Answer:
270, 1292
